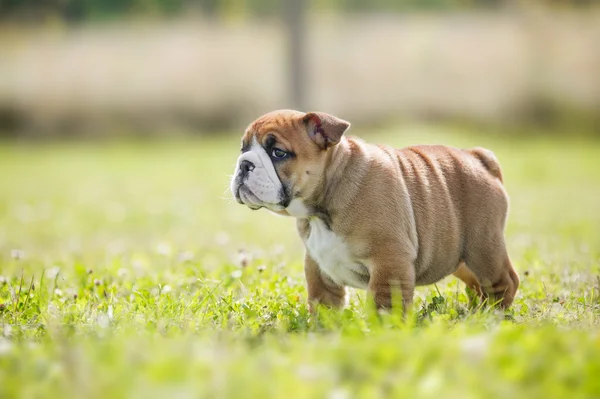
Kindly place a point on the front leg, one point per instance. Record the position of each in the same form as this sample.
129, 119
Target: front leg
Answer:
321, 290
391, 274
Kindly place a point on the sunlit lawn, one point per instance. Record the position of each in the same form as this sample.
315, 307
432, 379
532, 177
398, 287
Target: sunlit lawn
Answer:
126, 271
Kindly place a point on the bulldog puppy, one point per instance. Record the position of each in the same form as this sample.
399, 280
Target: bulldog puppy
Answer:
375, 217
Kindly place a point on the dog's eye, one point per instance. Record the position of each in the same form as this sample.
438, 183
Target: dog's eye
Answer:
278, 154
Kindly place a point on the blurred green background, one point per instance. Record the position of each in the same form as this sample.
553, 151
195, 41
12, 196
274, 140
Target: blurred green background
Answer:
126, 270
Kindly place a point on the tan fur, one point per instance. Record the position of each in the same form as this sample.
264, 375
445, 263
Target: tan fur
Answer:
411, 216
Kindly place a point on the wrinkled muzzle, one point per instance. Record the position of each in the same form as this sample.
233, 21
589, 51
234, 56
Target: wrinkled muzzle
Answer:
255, 182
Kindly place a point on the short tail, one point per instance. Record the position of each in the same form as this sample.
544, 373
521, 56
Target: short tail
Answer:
488, 160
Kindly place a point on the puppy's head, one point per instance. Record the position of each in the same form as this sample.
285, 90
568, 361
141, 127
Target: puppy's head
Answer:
283, 157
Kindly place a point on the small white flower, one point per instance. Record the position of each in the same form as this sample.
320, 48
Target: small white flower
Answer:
103, 320
17, 254
166, 289
58, 292
431, 383
52, 272
7, 330
310, 373
163, 249
5, 346
138, 264
186, 256
243, 258
339, 393
236, 274
53, 310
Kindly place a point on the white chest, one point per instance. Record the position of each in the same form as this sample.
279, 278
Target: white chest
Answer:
333, 256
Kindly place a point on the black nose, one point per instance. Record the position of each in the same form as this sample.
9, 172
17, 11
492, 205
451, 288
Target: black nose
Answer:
246, 167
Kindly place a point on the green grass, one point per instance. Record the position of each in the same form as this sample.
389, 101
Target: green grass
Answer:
127, 272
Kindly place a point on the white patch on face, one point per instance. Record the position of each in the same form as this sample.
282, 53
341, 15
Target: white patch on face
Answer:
262, 186
333, 256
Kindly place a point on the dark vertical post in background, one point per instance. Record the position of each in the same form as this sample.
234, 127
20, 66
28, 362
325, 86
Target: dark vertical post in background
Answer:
294, 18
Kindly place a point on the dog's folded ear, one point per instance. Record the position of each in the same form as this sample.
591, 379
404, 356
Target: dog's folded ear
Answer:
324, 129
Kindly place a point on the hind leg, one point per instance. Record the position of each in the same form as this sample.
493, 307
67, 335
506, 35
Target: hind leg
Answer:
494, 271
467, 276
473, 287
